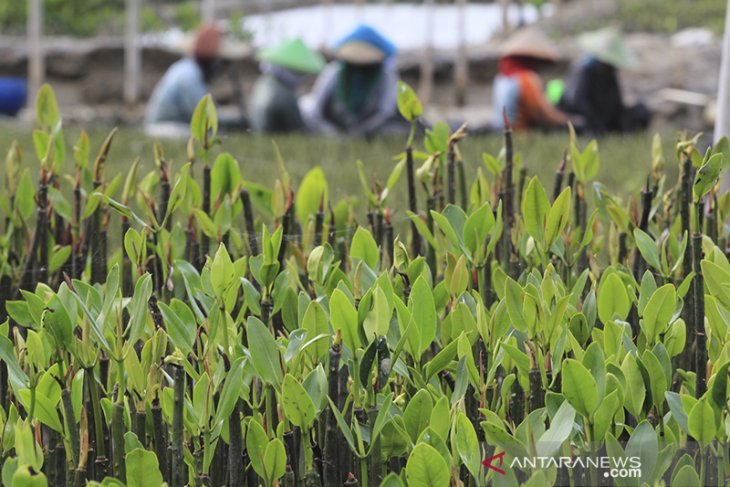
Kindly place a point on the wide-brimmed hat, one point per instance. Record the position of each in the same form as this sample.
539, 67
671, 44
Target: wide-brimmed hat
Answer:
531, 42
209, 41
608, 46
364, 45
294, 55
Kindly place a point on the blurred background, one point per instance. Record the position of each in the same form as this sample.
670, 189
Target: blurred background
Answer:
103, 57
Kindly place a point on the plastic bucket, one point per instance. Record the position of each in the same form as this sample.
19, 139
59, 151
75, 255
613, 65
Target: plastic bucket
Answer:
13, 95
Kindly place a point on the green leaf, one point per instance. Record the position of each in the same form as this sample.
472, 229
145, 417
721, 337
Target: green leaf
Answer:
635, 391
719, 393
408, 104
46, 107
363, 247
579, 387
441, 360
181, 331
558, 217
423, 313
346, 431
477, 227
659, 311
459, 278
535, 207
423, 229
24, 477
231, 390
392, 480
264, 351
603, 419
467, 445
377, 321
560, 429
256, 444
707, 176
275, 461
344, 318
315, 322
701, 421
204, 121
644, 445
225, 176
142, 468
312, 190
138, 308
647, 248
298, 406
418, 413
657, 380
613, 299
513, 294
45, 410
427, 468
686, 476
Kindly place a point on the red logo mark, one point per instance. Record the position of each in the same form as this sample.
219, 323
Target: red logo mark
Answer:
488, 463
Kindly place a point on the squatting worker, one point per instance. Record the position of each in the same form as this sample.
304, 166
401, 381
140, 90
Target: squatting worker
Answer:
517, 86
592, 89
357, 93
274, 104
176, 95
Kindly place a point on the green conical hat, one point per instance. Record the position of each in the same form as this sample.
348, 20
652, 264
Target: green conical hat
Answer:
293, 55
608, 46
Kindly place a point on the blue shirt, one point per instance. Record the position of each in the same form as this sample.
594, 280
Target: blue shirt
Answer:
177, 94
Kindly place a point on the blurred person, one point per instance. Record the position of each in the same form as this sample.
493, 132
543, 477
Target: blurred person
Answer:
185, 83
357, 93
274, 104
593, 91
518, 88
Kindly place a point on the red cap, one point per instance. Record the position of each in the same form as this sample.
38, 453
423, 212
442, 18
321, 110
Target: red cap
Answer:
207, 41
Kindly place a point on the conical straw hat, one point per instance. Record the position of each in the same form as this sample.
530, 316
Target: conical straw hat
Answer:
608, 46
531, 42
294, 55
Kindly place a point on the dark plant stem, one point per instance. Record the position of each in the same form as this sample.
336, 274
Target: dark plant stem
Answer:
118, 440
463, 188
319, 223
205, 240
451, 174
178, 476
248, 217
559, 176
412, 202
127, 279
522, 182
686, 358
699, 319
332, 444
235, 450
430, 251
160, 439
646, 196
622, 248
164, 196
73, 431
388, 237
507, 176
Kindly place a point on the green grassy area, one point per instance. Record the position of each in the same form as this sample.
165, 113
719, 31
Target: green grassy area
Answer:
671, 15
625, 160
